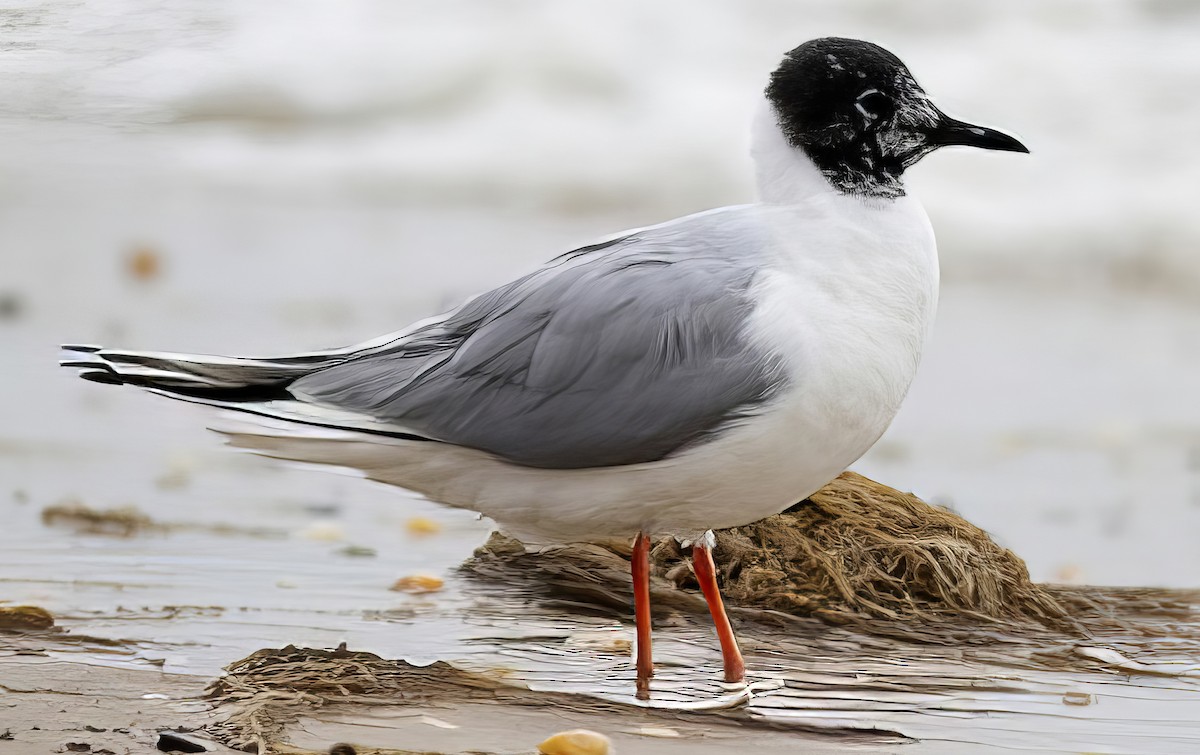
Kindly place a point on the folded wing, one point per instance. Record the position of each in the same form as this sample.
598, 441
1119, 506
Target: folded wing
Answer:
615, 354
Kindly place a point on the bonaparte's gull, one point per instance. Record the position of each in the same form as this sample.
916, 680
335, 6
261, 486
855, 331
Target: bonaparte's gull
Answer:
702, 373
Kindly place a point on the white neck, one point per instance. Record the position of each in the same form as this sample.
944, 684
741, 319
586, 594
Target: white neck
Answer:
785, 174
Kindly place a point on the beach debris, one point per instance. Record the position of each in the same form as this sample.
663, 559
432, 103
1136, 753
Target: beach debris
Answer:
173, 741
1069, 574
422, 526
20, 618
323, 508
616, 642
143, 263
418, 583
659, 732
259, 694
82, 747
1076, 698
127, 521
11, 305
124, 521
178, 473
358, 551
341, 748
1114, 659
859, 547
853, 553
323, 531
576, 742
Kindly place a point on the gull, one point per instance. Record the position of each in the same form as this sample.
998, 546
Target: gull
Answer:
702, 373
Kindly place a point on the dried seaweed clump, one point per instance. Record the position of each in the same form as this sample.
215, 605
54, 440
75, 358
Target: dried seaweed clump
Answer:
121, 522
856, 547
263, 692
25, 618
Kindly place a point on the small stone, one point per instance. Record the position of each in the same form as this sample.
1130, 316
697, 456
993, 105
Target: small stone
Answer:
1076, 698
576, 742
11, 305
341, 748
323, 531
322, 509
171, 741
1069, 574
422, 526
418, 583
143, 263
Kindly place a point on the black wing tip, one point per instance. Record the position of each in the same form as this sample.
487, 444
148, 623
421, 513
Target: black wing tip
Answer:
83, 348
102, 376
84, 364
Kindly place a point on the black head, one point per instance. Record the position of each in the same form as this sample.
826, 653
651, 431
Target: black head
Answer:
860, 116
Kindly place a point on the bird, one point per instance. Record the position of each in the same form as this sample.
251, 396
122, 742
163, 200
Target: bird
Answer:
702, 373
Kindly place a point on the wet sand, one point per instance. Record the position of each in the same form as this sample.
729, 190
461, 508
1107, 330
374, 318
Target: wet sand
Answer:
49, 705
527, 644
218, 555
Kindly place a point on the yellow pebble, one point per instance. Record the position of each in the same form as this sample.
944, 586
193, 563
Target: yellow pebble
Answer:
420, 525
1069, 574
143, 263
418, 583
576, 742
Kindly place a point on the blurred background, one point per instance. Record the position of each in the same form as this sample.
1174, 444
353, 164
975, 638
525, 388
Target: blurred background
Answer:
258, 178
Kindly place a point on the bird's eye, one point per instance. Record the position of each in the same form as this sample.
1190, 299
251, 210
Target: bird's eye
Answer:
874, 104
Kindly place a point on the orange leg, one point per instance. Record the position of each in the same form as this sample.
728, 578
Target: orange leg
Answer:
640, 567
706, 575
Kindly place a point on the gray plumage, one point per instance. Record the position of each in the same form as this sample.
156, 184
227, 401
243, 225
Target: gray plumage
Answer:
615, 354
618, 353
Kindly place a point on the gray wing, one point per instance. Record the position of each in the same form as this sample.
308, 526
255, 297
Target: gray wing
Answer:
615, 354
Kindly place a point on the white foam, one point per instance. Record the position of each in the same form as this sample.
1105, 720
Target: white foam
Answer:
633, 106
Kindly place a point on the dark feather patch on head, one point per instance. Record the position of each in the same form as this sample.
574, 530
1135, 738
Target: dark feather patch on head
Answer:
855, 110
